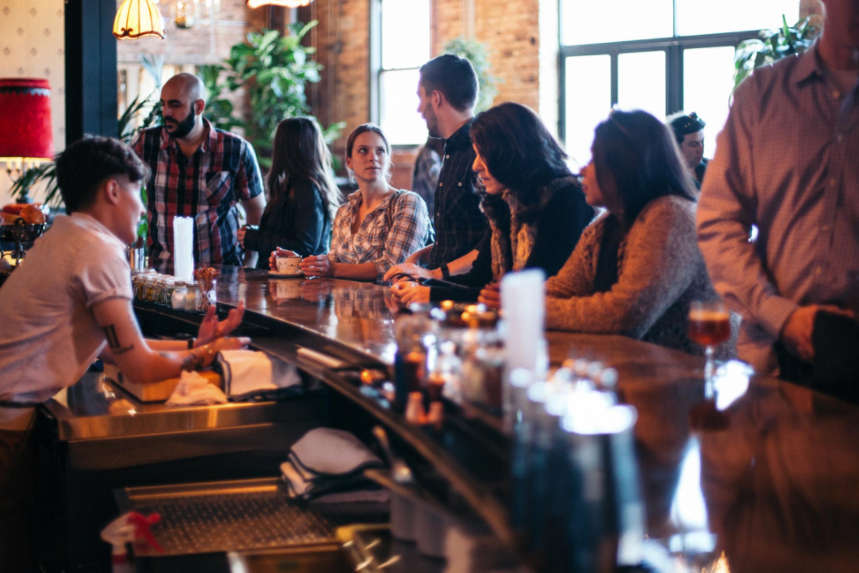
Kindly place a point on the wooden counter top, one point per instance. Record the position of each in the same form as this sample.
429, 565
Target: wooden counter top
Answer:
759, 469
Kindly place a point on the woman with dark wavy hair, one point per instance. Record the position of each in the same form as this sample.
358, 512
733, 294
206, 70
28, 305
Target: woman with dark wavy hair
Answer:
534, 204
302, 194
637, 267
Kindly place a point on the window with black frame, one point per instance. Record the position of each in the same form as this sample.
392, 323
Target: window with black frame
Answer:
662, 56
400, 45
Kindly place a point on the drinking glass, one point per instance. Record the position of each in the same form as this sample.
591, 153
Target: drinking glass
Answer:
709, 326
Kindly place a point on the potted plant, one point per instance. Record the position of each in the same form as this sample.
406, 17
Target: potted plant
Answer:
773, 45
274, 69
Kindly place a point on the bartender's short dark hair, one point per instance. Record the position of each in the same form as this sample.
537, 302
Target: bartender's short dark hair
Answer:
454, 77
87, 162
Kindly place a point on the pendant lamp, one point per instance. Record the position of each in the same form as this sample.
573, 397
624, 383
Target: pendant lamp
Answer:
284, 3
136, 19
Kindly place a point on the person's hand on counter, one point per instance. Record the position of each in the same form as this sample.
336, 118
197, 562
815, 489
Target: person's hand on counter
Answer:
409, 272
405, 293
211, 329
272, 259
317, 266
490, 295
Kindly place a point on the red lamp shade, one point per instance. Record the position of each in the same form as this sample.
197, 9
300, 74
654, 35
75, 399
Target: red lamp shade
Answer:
25, 119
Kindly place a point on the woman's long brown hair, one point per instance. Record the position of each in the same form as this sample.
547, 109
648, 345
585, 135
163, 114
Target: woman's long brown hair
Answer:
299, 152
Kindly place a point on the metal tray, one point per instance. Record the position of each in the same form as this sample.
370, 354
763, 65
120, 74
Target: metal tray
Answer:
242, 515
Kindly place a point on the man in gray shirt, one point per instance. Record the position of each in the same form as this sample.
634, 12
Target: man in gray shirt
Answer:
787, 163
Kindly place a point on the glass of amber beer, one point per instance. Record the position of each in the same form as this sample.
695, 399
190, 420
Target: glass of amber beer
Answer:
709, 326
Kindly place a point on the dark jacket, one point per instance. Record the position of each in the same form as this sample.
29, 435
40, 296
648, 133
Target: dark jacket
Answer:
559, 224
298, 221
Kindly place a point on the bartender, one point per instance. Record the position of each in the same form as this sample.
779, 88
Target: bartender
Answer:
71, 303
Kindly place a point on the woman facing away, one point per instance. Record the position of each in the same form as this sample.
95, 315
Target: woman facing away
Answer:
637, 267
378, 226
534, 204
302, 194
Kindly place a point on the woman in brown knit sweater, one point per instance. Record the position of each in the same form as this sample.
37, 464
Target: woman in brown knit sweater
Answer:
637, 267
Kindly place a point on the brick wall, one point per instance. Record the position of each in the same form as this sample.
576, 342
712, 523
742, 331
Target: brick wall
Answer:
343, 45
511, 31
446, 22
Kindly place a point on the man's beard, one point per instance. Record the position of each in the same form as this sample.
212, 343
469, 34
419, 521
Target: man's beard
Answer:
432, 122
183, 127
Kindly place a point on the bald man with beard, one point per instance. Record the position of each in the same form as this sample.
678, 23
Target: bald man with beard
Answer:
198, 171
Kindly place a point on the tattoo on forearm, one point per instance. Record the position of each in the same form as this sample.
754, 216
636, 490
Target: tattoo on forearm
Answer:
113, 341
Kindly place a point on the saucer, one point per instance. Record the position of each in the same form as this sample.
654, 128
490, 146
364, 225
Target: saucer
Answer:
285, 275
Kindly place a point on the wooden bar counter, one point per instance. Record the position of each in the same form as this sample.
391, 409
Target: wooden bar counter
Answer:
758, 472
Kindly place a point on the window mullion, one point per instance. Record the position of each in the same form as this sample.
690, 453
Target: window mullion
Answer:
614, 78
674, 79
375, 60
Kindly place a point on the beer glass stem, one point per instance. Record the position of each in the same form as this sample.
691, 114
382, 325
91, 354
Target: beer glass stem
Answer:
709, 370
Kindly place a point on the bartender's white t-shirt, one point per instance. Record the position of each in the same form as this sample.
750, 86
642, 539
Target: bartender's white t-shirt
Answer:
48, 334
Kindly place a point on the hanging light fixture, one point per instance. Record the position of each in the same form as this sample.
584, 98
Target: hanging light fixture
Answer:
136, 19
284, 3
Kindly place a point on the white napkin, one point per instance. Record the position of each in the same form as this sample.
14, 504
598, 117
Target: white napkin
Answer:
194, 389
329, 452
247, 371
326, 460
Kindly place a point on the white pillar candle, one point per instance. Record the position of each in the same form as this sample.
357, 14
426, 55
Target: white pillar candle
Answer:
183, 248
524, 307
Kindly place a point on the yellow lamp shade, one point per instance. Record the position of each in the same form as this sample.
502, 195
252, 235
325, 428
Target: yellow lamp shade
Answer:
284, 3
136, 19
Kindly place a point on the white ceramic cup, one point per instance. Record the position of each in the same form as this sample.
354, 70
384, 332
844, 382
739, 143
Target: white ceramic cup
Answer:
289, 265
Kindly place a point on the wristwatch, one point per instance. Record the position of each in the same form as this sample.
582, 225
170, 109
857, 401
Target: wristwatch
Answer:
445, 272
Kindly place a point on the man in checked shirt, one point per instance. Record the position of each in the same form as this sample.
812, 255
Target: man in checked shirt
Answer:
787, 163
448, 92
197, 171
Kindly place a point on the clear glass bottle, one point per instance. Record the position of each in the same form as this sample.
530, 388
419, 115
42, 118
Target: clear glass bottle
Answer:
191, 297
180, 293
136, 277
169, 287
149, 290
158, 295
207, 298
